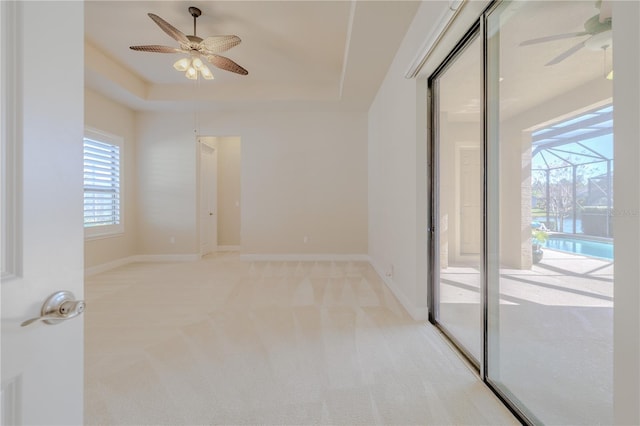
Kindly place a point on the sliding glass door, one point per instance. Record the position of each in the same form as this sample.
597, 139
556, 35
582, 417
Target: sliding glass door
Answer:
522, 201
457, 212
550, 153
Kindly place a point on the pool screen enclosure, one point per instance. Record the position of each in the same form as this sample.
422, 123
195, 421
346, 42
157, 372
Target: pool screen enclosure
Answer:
572, 174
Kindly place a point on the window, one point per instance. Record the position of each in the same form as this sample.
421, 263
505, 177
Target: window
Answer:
102, 184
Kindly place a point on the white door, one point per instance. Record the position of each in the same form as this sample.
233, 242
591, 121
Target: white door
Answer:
208, 196
42, 238
470, 206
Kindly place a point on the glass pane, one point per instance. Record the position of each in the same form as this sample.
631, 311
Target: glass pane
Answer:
459, 198
550, 168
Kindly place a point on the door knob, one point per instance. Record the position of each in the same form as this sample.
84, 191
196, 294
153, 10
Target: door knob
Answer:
58, 307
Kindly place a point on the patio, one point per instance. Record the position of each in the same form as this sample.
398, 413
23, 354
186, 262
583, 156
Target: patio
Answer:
550, 317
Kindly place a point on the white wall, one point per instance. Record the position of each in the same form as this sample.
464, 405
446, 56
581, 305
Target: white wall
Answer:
166, 183
108, 116
304, 173
626, 224
398, 172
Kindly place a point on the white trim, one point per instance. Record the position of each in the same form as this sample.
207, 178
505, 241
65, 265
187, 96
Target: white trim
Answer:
305, 257
167, 257
434, 37
228, 248
417, 313
345, 59
10, 142
11, 401
93, 270
447, 33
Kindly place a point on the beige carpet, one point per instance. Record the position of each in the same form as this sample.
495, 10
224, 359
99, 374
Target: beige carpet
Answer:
222, 341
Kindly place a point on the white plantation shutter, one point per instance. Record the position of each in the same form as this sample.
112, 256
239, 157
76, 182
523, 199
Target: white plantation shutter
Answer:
102, 185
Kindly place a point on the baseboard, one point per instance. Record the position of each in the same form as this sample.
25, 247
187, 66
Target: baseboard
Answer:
228, 248
418, 314
93, 270
305, 257
104, 267
166, 257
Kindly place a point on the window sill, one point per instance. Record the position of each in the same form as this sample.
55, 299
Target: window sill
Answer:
102, 236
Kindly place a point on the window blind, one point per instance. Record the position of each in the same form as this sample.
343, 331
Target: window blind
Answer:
101, 183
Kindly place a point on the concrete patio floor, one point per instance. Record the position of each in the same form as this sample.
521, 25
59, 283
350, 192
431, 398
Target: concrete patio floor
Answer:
551, 337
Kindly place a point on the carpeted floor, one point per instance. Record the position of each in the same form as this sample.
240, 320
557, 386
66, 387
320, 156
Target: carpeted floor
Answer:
222, 341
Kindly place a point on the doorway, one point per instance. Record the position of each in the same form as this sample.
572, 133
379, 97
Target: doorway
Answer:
220, 170
208, 195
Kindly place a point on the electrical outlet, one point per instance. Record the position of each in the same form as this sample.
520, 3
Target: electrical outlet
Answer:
390, 271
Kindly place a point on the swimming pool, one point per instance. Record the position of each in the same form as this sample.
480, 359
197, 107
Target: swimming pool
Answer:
602, 249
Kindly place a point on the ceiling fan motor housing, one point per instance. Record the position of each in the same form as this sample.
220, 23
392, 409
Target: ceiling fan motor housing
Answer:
194, 39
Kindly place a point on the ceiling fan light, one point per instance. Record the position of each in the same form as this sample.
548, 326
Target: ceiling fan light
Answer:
206, 72
191, 74
181, 64
198, 64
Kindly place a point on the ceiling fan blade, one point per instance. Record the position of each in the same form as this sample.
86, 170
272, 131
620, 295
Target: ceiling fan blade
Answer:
156, 49
173, 32
566, 54
552, 38
605, 11
226, 64
217, 44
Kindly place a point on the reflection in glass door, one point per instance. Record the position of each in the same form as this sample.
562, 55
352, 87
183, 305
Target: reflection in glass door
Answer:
457, 195
549, 201
522, 246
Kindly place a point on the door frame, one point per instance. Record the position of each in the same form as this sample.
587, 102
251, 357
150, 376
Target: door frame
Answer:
433, 194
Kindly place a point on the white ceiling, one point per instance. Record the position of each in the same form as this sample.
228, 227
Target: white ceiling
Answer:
293, 50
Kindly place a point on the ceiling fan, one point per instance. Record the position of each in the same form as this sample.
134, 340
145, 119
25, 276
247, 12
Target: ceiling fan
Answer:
598, 28
198, 49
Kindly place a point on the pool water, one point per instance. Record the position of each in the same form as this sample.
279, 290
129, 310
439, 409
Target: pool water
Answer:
579, 246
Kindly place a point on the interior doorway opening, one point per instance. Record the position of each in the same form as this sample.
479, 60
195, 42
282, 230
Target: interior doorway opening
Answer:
219, 178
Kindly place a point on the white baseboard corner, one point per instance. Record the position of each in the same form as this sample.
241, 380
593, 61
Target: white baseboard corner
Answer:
416, 312
257, 257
